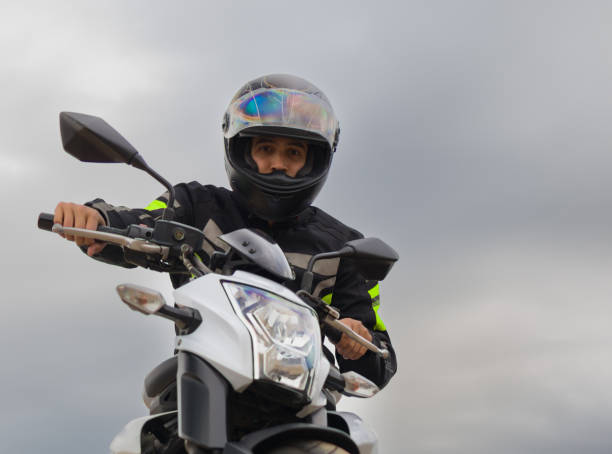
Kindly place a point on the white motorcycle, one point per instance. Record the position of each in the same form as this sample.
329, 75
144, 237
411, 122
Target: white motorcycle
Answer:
250, 374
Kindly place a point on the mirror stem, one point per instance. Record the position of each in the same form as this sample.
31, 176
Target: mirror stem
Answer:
138, 162
308, 274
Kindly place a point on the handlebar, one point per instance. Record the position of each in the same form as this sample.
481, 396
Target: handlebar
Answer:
120, 237
132, 238
334, 335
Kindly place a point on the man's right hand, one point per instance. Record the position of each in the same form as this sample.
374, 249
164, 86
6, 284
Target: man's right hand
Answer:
82, 217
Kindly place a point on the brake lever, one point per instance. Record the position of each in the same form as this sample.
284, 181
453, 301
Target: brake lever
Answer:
330, 318
383, 352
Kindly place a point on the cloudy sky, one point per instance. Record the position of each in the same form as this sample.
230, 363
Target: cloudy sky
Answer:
475, 140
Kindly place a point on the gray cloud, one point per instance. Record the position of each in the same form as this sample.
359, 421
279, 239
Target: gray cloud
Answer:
475, 140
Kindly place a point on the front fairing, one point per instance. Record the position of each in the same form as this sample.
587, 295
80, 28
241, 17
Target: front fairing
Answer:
224, 341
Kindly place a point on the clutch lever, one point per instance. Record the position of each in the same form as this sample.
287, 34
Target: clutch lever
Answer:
135, 244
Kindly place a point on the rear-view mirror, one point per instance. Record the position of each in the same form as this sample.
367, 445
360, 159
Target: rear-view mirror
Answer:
91, 139
373, 257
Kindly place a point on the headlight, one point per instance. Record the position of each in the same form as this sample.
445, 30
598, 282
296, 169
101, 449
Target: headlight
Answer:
286, 336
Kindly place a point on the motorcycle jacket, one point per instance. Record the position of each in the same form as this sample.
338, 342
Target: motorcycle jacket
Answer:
216, 211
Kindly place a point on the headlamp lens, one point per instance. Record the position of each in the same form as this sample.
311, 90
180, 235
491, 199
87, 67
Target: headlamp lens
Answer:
286, 336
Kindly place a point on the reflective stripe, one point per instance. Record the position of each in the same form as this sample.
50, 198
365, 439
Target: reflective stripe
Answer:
375, 295
156, 205
380, 326
374, 292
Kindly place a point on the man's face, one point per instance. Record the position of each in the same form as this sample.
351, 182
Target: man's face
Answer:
279, 153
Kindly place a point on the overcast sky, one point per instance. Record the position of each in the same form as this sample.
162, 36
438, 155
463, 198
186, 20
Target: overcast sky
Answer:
475, 139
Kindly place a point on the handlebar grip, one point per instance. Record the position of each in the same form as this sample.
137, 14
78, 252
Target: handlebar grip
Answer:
45, 221
333, 334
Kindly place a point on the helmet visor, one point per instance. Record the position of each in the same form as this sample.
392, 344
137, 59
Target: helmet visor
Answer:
301, 113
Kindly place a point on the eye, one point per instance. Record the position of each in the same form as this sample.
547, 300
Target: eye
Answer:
264, 148
296, 153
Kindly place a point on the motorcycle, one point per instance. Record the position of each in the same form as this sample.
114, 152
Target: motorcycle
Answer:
250, 373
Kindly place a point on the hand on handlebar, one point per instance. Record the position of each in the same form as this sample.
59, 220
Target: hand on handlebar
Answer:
347, 347
83, 217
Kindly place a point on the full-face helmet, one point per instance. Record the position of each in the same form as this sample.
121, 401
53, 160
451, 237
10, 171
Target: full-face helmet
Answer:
286, 106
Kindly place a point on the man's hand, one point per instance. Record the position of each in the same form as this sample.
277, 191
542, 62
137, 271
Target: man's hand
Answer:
82, 217
347, 347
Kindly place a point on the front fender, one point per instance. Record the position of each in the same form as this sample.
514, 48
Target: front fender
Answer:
263, 440
129, 440
360, 432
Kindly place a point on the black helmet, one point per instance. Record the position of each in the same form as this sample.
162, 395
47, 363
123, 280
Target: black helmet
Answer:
278, 105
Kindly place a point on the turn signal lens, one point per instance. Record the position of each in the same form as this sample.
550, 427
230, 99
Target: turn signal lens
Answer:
358, 386
141, 299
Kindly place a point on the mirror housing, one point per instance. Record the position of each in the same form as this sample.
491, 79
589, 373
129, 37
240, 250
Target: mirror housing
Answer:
91, 139
372, 257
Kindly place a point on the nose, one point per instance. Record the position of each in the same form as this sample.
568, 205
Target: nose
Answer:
277, 162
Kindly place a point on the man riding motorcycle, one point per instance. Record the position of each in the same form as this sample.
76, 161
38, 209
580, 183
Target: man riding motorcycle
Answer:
280, 134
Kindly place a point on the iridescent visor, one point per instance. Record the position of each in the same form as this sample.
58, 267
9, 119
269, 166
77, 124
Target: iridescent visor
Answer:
280, 107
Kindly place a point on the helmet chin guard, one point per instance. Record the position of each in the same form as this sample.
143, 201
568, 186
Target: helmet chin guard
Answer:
275, 196
285, 106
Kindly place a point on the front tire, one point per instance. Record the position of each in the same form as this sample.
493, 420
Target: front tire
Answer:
308, 447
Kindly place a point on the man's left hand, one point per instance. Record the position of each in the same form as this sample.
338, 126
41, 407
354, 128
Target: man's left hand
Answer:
347, 347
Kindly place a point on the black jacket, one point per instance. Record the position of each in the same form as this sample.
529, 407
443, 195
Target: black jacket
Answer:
215, 211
